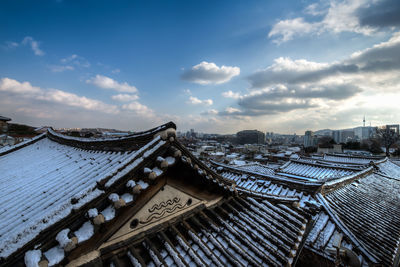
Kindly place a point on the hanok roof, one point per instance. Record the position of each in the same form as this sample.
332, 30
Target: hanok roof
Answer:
370, 207
238, 232
64, 197
257, 167
347, 159
272, 186
301, 169
4, 118
363, 206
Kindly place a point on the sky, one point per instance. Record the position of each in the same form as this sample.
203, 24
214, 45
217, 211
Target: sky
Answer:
214, 66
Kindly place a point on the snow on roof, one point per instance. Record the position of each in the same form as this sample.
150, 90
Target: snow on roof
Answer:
308, 170
2, 118
370, 208
351, 159
39, 181
257, 167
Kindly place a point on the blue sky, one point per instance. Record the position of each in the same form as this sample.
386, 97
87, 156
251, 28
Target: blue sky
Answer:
215, 66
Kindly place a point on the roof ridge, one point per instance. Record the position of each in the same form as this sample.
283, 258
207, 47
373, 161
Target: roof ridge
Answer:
332, 184
345, 229
123, 143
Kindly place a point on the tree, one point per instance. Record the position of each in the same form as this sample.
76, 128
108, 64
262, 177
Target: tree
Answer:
375, 147
388, 137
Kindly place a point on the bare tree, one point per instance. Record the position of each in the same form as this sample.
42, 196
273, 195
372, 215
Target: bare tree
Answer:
388, 137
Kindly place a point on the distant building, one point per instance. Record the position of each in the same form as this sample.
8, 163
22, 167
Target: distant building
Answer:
310, 139
393, 127
343, 136
363, 133
346, 136
4, 124
250, 137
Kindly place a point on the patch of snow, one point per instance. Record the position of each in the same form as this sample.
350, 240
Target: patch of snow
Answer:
93, 213
144, 185
170, 160
108, 213
54, 255
157, 171
130, 183
85, 232
62, 237
127, 197
133, 260
113, 197
32, 258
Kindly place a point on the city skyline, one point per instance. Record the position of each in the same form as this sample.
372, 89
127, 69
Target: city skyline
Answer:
217, 67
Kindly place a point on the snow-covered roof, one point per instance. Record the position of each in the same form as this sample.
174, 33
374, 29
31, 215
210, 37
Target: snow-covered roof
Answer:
314, 171
41, 181
239, 232
351, 159
54, 181
257, 167
370, 207
2, 118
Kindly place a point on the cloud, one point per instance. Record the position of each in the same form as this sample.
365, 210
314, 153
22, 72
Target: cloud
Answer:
10, 87
195, 101
230, 94
210, 73
33, 44
383, 57
108, 83
210, 112
357, 16
76, 60
384, 13
139, 109
288, 85
288, 29
11, 45
60, 68
116, 71
125, 97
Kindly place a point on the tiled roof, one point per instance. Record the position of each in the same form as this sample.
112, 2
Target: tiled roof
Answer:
257, 167
313, 171
351, 159
370, 208
52, 182
240, 232
4, 118
41, 181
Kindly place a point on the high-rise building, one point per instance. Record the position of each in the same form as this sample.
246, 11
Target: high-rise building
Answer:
250, 137
309, 139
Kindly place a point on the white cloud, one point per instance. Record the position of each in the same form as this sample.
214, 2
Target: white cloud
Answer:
340, 16
230, 94
289, 85
108, 83
289, 28
26, 90
33, 44
76, 60
60, 68
195, 101
11, 45
125, 97
210, 112
231, 110
139, 109
210, 73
